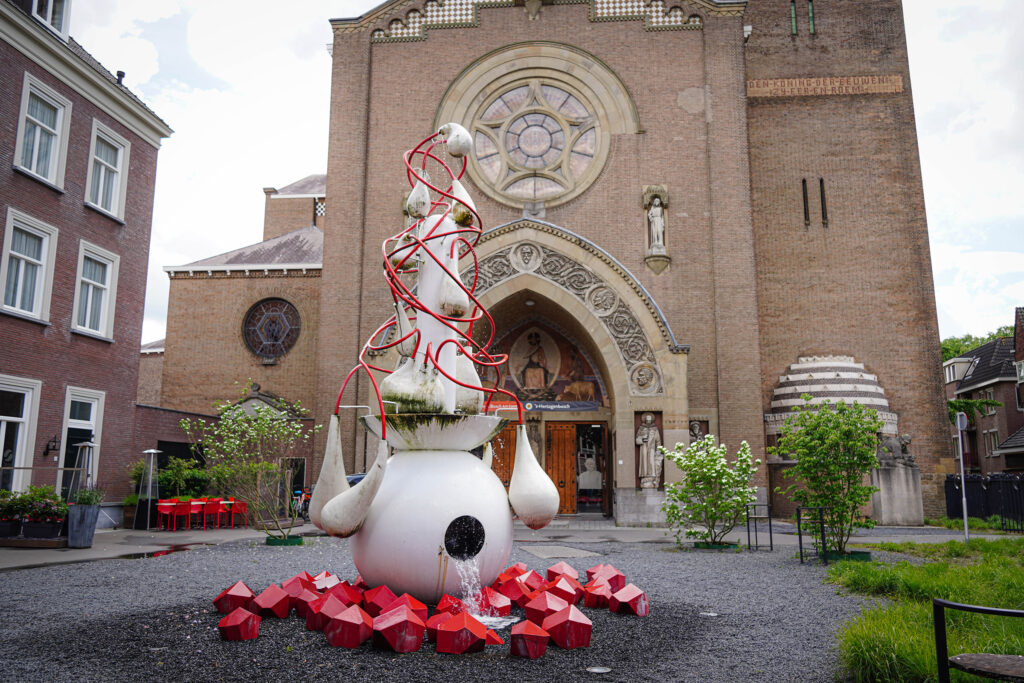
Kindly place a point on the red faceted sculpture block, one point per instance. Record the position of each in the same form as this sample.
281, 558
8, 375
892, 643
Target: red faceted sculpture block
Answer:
569, 628
502, 579
514, 590
303, 600
346, 593
529, 640
564, 587
517, 569
325, 580
241, 624
320, 611
597, 593
615, 578
360, 584
233, 597
449, 604
545, 604
493, 638
417, 607
376, 599
494, 603
630, 600
532, 580
562, 568
435, 621
399, 630
273, 602
350, 628
460, 634
294, 588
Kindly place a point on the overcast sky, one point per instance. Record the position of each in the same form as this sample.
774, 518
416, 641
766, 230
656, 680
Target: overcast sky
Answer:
246, 88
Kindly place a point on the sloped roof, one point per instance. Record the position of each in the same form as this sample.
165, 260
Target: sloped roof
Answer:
302, 247
84, 55
992, 361
315, 184
153, 346
1014, 443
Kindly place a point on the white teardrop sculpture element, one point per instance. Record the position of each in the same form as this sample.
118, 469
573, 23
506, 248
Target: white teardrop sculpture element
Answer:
454, 301
457, 139
418, 203
467, 401
403, 253
488, 457
332, 479
406, 347
414, 387
344, 514
531, 492
461, 209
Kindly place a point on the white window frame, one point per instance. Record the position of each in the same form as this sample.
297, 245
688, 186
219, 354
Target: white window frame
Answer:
97, 398
113, 261
116, 209
44, 286
32, 85
47, 18
991, 442
32, 388
990, 395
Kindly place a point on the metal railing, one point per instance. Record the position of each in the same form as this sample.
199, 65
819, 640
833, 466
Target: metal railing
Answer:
48, 476
1000, 494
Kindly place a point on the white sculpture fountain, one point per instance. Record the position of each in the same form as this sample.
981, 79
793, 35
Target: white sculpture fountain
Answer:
432, 504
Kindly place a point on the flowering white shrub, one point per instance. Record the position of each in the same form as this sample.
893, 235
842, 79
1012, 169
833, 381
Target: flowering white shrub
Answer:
712, 493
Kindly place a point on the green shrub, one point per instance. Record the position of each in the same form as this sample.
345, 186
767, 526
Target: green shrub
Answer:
42, 504
89, 496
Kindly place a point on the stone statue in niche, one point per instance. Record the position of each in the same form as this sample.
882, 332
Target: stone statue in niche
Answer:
656, 227
696, 433
655, 206
650, 458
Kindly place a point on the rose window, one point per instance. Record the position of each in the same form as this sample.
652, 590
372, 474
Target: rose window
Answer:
271, 328
536, 142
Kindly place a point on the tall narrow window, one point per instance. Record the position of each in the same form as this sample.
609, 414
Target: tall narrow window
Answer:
42, 137
108, 170
53, 13
824, 203
792, 16
810, 15
26, 271
19, 410
96, 295
807, 207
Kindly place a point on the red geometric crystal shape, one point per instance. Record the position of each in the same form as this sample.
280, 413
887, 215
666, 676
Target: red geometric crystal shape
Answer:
433, 622
346, 593
449, 604
597, 593
493, 638
630, 600
360, 584
302, 602
418, 608
273, 602
376, 599
563, 587
562, 568
350, 628
502, 579
325, 580
460, 634
320, 611
529, 640
303, 575
615, 578
230, 599
494, 603
532, 579
545, 604
241, 624
299, 579
517, 569
514, 590
322, 575
294, 588
569, 628
399, 630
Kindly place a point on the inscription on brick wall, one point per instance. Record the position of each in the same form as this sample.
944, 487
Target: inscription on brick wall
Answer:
837, 85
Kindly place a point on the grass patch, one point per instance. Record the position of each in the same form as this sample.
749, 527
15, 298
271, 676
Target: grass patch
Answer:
896, 641
990, 524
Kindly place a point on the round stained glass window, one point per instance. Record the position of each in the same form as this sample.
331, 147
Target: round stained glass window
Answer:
536, 142
271, 328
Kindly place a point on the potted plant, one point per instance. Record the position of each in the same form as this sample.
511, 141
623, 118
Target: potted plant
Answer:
12, 507
128, 515
44, 513
82, 517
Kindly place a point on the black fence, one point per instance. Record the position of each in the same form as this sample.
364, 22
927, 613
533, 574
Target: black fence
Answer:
996, 494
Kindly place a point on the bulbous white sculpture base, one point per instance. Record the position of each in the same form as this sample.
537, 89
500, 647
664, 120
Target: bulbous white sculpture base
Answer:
411, 530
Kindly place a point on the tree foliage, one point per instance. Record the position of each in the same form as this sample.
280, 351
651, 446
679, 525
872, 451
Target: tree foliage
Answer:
834, 447
710, 493
973, 407
953, 347
244, 451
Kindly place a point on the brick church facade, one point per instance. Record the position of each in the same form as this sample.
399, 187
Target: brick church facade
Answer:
697, 209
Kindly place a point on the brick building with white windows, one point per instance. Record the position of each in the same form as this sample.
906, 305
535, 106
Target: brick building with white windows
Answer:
787, 251
78, 155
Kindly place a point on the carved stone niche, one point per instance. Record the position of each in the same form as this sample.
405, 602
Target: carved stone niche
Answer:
655, 203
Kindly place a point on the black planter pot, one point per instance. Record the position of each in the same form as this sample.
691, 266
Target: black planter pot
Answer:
10, 527
41, 529
82, 525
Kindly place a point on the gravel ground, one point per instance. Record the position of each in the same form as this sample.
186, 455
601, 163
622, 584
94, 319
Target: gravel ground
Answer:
153, 619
